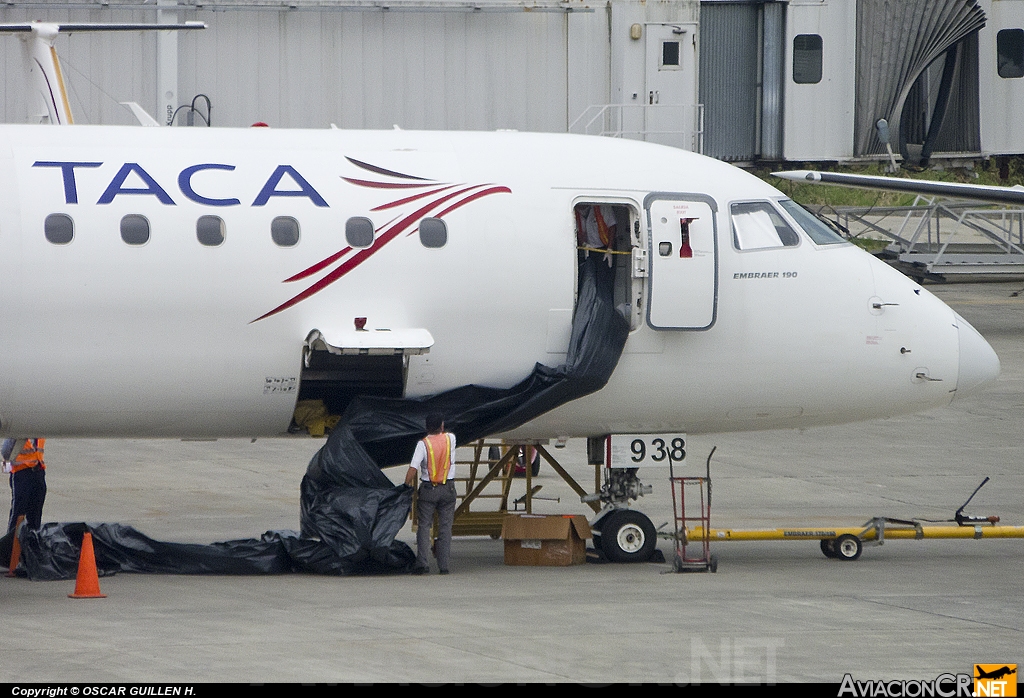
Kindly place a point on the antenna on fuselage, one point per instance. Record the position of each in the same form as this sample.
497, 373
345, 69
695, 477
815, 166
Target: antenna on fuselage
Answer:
44, 66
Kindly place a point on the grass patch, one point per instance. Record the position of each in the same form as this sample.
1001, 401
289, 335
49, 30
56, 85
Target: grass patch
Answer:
872, 245
833, 196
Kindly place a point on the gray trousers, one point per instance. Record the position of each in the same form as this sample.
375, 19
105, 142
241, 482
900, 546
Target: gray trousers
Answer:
442, 499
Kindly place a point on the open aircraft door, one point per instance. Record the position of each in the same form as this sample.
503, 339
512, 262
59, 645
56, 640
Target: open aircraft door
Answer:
683, 253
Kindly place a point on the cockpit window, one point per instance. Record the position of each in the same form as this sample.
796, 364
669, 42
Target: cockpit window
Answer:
815, 228
756, 225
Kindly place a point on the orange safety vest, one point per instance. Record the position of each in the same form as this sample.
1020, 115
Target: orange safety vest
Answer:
602, 227
31, 456
439, 457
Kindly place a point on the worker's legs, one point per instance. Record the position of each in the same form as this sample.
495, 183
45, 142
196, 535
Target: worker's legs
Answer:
426, 503
445, 517
28, 493
34, 512
18, 495
12, 518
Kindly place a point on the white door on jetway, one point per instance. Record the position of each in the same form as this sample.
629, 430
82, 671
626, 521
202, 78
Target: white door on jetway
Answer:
683, 254
671, 81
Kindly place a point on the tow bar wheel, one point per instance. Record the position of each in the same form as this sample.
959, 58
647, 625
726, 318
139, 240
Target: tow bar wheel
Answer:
847, 547
628, 536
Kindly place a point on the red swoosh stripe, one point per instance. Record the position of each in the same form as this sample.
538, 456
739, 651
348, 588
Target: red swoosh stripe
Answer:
407, 199
468, 199
357, 259
474, 197
386, 185
318, 266
380, 170
395, 229
326, 262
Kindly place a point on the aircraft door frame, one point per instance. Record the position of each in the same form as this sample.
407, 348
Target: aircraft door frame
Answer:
682, 277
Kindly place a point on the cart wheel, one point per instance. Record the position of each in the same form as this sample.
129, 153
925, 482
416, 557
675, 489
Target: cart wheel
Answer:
847, 547
628, 536
713, 564
828, 547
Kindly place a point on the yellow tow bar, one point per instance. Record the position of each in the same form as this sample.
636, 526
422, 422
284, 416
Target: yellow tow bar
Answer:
845, 543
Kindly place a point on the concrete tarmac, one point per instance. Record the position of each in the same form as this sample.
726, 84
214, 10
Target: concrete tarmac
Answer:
775, 611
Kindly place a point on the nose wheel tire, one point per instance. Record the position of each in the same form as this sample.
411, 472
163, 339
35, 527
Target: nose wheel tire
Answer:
828, 547
628, 536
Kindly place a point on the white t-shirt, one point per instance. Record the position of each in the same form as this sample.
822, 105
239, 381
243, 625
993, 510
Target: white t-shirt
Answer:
590, 228
419, 459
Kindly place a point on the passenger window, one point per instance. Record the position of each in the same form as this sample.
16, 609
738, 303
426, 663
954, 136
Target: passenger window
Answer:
1010, 53
757, 226
135, 229
815, 228
210, 231
59, 228
285, 231
807, 59
433, 232
359, 232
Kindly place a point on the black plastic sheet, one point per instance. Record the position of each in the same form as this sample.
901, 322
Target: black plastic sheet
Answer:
374, 433
350, 512
386, 430
52, 552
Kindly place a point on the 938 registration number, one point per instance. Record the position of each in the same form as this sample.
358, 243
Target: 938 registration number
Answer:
636, 450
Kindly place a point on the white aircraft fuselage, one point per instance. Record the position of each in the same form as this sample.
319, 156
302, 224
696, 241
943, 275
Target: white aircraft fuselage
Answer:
176, 338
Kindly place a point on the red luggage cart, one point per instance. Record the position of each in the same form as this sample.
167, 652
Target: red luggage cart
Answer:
695, 492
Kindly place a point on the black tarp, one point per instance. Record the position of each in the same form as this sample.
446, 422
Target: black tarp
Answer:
350, 512
52, 553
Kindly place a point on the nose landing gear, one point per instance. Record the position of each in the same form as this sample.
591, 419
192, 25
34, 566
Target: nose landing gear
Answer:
622, 534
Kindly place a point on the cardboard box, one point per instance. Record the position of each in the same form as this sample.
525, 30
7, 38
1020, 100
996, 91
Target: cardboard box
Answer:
532, 539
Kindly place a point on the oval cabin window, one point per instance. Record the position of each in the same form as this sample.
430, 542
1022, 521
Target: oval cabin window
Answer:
59, 228
284, 230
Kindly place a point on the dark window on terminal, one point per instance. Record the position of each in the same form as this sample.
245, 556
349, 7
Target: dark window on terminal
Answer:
210, 231
135, 229
359, 232
806, 59
670, 53
59, 228
285, 231
433, 232
1010, 53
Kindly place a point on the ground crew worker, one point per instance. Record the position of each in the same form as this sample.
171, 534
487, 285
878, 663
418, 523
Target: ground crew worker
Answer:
23, 459
595, 228
431, 467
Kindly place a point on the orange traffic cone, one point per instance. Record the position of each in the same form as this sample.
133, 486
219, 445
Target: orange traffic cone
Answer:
87, 585
15, 549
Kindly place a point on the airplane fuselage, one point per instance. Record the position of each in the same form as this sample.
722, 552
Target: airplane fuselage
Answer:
162, 282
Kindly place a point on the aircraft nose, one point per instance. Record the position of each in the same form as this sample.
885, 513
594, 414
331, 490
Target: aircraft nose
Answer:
979, 364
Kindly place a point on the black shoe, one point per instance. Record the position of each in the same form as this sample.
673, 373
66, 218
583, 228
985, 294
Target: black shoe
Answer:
419, 569
443, 572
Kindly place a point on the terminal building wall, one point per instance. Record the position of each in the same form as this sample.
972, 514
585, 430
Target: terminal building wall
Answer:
450, 67
356, 68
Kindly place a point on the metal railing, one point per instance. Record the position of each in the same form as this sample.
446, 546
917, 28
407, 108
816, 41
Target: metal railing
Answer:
952, 237
632, 121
